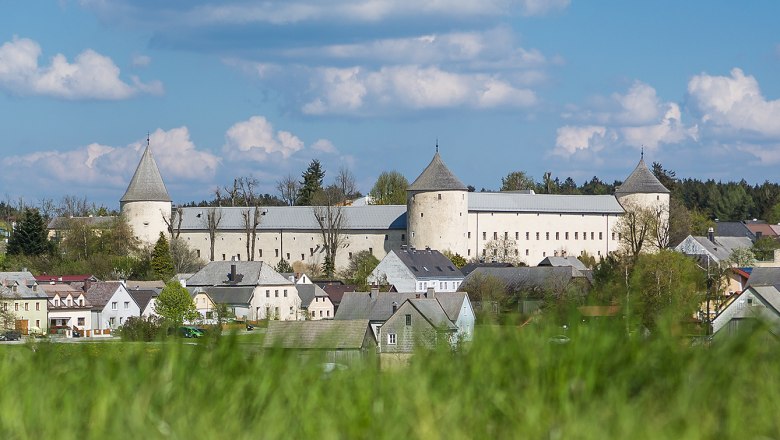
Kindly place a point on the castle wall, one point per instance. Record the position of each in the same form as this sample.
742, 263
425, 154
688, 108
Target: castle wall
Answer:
438, 219
540, 235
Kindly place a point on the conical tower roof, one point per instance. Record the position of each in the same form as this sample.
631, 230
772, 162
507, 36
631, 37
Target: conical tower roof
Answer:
147, 183
641, 180
436, 176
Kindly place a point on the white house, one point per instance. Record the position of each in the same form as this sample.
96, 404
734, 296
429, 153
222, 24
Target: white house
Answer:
69, 310
755, 302
112, 305
417, 270
315, 302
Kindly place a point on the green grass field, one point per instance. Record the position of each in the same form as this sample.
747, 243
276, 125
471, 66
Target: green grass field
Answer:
510, 383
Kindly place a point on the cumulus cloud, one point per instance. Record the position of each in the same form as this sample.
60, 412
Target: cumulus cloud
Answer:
637, 118
355, 90
324, 146
141, 60
90, 75
110, 166
256, 139
734, 104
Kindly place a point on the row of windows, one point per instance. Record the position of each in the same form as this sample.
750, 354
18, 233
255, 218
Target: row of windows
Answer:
276, 293
314, 314
114, 305
547, 235
26, 307
422, 285
237, 257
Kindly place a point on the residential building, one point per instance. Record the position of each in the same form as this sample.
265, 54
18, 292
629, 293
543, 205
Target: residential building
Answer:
112, 305
716, 248
417, 270
342, 342
315, 302
69, 310
21, 295
145, 299
417, 322
755, 303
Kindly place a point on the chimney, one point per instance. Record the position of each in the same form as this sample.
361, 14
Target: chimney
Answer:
374, 292
430, 294
711, 235
232, 276
395, 306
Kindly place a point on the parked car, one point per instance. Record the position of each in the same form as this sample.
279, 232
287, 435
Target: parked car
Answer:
11, 335
190, 332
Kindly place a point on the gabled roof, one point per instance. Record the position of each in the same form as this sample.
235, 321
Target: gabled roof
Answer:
248, 273
433, 312
563, 262
451, 303
641, 180
721, 249
527, 278
308, 292
557, 203
100, 293
764, 276
147, 183
142, 297
64, 278
428, 263
336, 291
379, 307
436, 176
733, 229
467, 269
325, 334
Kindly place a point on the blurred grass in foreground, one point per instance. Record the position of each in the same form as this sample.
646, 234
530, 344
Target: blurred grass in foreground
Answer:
511, 383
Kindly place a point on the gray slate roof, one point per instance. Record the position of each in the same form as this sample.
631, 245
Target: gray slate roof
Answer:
100, 292
433, 312
733, 229
428, 263
527, 278
143, 296
723, 246
641, 180
248, 273
764, 276
307, 293
380, 217
451, 303
436, 176
92, 222
325, 334
147, 183
559, 203
564, 261
230, 295
26, 286
360, 305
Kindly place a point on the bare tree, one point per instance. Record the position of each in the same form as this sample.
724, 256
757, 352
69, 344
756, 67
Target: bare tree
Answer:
288, 188
251, 218
213, 219
245, 190
345, 181
635, 229
185, 259
47, 208
328, 209
174, 221
659, 221
502, 249
73, 206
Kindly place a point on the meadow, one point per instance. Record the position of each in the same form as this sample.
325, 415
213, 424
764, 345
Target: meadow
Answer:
510, 382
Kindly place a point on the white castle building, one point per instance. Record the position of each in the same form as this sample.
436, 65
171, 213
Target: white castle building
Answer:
440, 214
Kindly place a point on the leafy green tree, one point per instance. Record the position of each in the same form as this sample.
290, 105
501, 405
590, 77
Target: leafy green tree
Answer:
664, 284
360, 267
162, 264
456, 258
516, 181
311, 183
284, 266
30, 236
489, 293
389, 189
773, 215
764, 248
175, 304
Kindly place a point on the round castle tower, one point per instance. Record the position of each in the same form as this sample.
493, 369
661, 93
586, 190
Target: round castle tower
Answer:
146, 204
643, 190
437, 209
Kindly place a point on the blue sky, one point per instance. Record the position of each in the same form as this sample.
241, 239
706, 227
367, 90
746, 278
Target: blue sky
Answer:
239, 87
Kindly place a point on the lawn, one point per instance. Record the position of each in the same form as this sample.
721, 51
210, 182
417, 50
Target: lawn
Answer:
510, 383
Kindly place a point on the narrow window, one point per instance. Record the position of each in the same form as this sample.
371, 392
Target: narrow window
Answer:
506, 235
403, 237
592, 235
576, 235
526, 252
267, 293
37, 307
276, 251
469, 234
127, 305
517, 236
197, 252
276, 293
439, 196
285, 293
260, 253
537, 236
546, 235
567, 235
495, 235
391, 339
114, 305
601, 235
527, 235
484, 235
223, 257
408, 319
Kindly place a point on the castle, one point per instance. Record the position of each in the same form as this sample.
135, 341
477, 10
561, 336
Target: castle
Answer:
440, 214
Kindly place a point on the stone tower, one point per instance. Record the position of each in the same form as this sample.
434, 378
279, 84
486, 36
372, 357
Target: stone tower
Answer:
642, 189
146, 204
437, 210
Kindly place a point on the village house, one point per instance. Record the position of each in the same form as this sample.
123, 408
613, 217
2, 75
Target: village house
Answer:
21, 296
340, 342
145, 299
253, 288
417, 322
315, 303
112, 305
417, 270
70, 314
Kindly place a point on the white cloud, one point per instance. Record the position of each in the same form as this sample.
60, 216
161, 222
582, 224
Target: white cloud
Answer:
636, 119
108, 166
90, 76
356, 90
734, 104
256, 139
325, 146
141, 60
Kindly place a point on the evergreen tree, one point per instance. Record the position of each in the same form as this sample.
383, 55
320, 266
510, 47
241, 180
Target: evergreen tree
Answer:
284, 266
175, 304
162, 263
30, 236
311, 184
